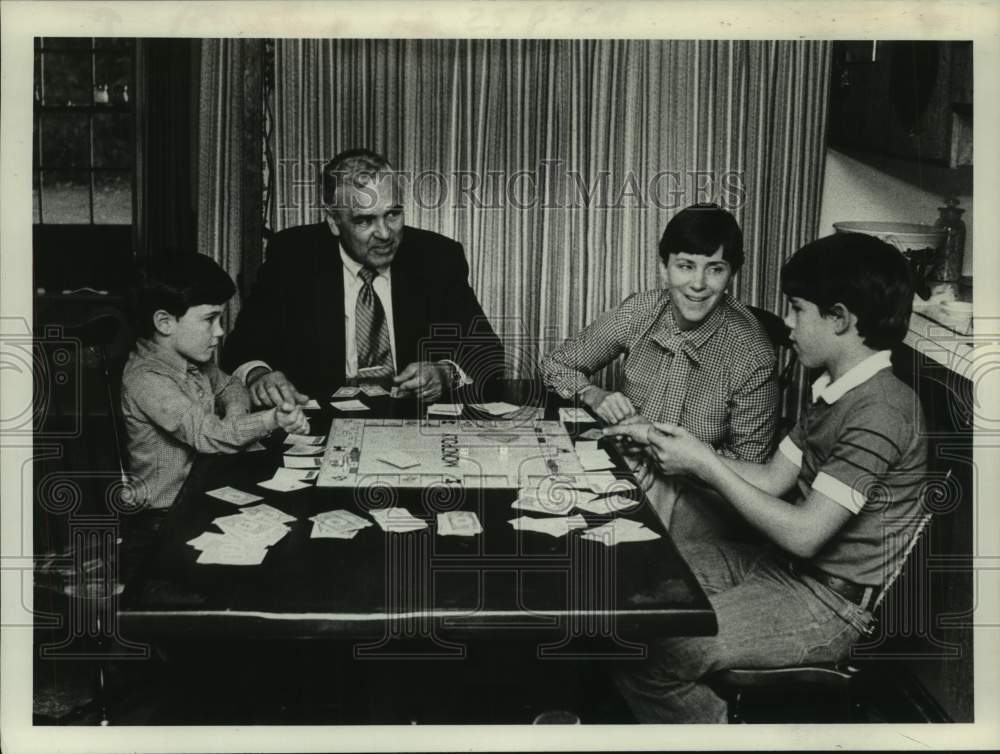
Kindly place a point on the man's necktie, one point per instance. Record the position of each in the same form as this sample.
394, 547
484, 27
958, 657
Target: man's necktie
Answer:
372, 330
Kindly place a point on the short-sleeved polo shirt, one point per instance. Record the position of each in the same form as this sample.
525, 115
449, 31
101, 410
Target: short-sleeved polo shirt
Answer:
862, 444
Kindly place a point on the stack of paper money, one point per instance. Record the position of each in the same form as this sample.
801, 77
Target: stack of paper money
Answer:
458, 523
245, 536
397, 519
337, 524
618, 531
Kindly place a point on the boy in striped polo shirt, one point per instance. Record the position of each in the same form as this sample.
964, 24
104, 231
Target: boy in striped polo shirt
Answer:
855, 461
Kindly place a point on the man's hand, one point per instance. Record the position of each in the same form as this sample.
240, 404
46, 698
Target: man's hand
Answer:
291, 418
612, 407
273, 389
424, 379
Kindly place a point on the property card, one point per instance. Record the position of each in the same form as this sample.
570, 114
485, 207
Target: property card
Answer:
458, 523
397, 519
294, 439
206, 539
340, 519
347, 391
234, 496
619, 531
373, 391
257, 530
605, 505
296, 475
302, 462
374, 373
595, 461
282, 485
232, 552
591, 434
322, 532
448, 409
268, 513
575, 416
353, 405
554, 527
559, 504
304, 450
586, 446
312, 405
398, 458
496, 408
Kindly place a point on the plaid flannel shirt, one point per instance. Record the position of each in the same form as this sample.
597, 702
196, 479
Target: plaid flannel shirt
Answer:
170, 410
729, 399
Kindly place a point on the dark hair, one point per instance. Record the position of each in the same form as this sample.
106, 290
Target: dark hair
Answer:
353, 166
175, 283
702, 229
868, 276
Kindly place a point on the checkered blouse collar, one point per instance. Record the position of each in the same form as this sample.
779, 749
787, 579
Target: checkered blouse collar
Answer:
668, 334
174, 364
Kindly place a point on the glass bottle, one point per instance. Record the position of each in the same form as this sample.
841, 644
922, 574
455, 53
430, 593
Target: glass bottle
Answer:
949, 265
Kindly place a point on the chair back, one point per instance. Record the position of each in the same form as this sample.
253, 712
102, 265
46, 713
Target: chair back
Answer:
785, 367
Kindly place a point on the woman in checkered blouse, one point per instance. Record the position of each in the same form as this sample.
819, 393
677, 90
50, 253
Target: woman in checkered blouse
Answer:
693, 355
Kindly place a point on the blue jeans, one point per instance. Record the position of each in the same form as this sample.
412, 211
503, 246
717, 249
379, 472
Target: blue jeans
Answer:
768, 617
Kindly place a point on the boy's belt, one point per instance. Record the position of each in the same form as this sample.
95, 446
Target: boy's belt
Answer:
858, 594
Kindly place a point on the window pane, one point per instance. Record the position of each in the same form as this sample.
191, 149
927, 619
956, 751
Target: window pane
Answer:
113, 198
67, 79
65, 140
66, 197
115, 70
112, 140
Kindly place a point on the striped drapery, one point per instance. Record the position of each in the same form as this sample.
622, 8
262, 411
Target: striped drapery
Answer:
223, 143
557, 163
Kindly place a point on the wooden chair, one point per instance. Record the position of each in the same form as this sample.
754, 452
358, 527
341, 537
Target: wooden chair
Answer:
833, 680
785, 367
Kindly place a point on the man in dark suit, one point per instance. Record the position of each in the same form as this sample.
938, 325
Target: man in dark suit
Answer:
362, 294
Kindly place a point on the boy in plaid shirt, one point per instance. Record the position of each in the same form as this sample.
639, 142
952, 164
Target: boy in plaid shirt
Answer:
175, 401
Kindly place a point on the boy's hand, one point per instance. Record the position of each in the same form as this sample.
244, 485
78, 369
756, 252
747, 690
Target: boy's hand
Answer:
612, 407
273, 389
291, 418
673, 448
632, 432
423, 378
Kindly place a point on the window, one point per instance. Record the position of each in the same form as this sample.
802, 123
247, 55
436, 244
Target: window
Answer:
84, 131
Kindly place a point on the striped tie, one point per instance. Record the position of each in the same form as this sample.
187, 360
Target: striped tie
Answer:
372, 332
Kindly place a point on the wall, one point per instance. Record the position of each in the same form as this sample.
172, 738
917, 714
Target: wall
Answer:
859, 190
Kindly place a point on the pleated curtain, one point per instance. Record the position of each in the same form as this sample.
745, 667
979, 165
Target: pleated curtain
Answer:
573, 155
220, 147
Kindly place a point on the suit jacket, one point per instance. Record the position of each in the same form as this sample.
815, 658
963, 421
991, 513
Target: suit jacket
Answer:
294, 317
